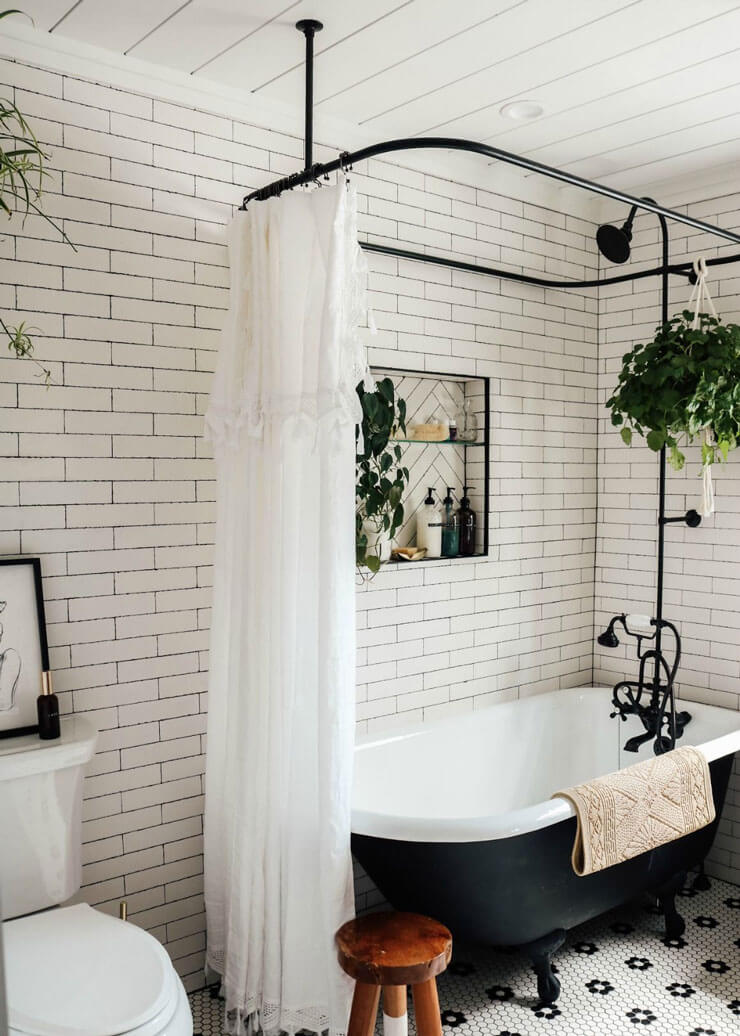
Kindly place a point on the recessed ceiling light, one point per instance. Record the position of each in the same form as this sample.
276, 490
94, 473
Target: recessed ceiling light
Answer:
521, 111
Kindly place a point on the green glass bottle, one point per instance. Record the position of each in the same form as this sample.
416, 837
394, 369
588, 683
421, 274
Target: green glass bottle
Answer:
450, 527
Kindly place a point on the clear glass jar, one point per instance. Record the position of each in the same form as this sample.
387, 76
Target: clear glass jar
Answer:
467, 422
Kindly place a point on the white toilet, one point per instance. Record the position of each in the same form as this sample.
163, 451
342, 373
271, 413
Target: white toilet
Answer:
70, 971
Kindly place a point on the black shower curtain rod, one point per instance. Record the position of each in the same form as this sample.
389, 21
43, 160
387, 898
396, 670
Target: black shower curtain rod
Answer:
683, 269
347, 159
314, 171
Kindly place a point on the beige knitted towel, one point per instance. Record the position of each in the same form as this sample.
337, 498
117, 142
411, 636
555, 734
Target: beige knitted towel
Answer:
636, 809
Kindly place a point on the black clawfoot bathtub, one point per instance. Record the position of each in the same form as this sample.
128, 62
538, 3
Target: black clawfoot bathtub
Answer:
453, 819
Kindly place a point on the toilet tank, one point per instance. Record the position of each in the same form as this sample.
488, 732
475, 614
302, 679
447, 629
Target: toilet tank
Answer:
41, 817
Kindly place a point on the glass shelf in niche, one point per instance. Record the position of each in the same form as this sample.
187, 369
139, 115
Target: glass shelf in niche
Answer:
439, 442
436, 561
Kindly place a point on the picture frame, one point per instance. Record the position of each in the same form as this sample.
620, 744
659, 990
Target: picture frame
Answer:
24, 650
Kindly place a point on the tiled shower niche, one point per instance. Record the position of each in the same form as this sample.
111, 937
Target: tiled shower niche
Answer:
448, 463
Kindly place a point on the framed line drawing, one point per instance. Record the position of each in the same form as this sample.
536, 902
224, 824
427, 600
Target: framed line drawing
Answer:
24, 652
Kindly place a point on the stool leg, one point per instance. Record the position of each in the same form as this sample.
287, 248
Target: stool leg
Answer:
364, 1010
426, 1008
395, 1019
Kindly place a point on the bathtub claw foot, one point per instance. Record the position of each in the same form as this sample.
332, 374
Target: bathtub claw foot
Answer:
541, 952
701, 882
675, 925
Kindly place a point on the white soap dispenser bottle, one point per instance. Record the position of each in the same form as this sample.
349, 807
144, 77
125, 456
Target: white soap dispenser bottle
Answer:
429, 527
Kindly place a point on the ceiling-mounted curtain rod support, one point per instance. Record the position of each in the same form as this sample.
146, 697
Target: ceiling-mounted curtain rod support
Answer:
476, 147
309, 27
684, 269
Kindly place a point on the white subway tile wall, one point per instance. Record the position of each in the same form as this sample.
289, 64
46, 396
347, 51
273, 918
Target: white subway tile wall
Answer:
702, 592
106, 477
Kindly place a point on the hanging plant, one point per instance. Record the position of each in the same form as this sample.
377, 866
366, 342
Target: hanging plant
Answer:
381, 479
22, 174
685, 381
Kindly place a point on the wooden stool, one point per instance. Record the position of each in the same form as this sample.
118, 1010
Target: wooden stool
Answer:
392, 951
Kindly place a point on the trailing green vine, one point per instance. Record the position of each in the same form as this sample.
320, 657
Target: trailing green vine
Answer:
22, 174
379, 489
681, 383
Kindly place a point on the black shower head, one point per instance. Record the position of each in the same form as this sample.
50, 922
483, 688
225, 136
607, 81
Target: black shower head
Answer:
614, 242
608, 638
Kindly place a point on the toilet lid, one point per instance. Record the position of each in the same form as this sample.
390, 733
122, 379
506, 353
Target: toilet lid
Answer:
78, 972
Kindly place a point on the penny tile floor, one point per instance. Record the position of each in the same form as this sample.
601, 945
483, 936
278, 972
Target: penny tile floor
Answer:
619, 976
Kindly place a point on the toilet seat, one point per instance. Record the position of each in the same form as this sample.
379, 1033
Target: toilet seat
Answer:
78, 972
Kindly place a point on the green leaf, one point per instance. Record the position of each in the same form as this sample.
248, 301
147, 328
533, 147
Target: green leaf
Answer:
626, 434
677, 458
398, 517
656, 439
372, 562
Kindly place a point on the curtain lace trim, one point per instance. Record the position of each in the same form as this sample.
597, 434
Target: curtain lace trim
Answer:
292, 414
254, 413
269, 1016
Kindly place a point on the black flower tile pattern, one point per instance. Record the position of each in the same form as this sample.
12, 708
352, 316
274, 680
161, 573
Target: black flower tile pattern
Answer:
546, 1011
638, 963
682, 989
673, 987
716, 967
641, 1016
599, 985
500, 994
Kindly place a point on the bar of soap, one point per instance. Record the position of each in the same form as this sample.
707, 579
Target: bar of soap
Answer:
430, 432
640, 624
409, 553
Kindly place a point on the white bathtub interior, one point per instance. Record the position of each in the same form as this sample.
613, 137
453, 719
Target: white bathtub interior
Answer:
491, 773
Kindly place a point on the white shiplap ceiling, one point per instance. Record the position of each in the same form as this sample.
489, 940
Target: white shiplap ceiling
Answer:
635, 92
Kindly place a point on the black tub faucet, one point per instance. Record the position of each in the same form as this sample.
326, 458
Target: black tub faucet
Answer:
651, 699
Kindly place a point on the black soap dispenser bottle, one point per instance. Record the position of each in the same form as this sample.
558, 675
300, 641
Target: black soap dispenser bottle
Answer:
48, 710
467, 520
450, 527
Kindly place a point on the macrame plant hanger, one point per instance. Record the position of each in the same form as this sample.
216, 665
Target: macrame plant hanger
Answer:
700, 301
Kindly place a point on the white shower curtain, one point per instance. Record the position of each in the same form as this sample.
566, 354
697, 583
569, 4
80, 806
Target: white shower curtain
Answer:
278, 877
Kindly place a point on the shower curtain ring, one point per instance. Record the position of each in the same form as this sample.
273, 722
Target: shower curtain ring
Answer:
344, 164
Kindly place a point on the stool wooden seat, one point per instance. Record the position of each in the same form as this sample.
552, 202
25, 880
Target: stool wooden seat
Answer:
391, 951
